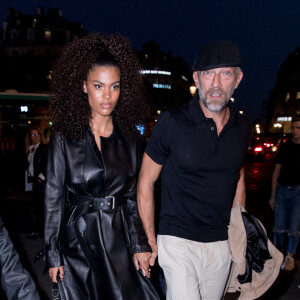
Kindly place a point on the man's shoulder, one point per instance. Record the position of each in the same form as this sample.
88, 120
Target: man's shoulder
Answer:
286, 146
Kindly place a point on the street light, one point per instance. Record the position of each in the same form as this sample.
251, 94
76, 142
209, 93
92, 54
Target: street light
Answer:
257, 128
193, 89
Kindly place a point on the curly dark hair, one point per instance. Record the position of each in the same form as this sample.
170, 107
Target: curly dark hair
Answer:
69, 107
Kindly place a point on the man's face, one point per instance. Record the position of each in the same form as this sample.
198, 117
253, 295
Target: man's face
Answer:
216, 86
296, 130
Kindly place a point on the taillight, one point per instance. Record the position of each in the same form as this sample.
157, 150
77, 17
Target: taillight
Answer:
258, 149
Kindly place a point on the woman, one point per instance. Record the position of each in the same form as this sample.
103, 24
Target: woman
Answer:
36, 151
94, 239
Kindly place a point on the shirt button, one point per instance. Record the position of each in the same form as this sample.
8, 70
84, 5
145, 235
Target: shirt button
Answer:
212, 128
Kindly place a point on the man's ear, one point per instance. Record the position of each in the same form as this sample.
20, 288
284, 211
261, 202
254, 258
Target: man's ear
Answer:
195, 77
239, 79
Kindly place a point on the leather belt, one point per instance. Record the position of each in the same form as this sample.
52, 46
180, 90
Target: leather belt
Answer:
84, 205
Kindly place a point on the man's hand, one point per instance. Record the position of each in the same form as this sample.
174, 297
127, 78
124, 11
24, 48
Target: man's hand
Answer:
272, 202
141, 261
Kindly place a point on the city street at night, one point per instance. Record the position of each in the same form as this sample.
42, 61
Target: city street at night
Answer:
210, 90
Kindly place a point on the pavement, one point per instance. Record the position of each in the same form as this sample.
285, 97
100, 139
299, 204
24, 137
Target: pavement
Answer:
16, 211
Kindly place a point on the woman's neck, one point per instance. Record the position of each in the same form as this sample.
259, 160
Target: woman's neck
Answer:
102, 126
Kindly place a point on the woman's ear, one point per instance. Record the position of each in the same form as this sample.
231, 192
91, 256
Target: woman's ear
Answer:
84, 87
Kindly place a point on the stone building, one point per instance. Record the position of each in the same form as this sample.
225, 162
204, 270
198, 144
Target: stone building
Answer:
30, 44
284, 101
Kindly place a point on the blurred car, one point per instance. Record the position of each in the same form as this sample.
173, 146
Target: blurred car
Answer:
257, 151
271, 145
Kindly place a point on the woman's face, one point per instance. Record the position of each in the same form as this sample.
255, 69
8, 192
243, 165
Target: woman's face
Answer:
35, 137
103, 89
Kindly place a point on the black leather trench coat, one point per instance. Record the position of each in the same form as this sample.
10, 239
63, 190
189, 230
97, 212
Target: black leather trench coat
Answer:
95, 247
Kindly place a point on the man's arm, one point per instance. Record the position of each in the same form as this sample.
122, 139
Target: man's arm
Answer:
275, 176
240, 193
145, 198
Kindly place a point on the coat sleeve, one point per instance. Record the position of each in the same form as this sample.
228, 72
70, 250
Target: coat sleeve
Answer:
138, 238
15, 280
54, 200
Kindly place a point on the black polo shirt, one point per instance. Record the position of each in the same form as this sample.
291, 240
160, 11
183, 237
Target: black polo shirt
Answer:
200, 170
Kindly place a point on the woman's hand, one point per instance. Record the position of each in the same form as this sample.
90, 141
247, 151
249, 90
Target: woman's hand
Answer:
54, 271
141, 261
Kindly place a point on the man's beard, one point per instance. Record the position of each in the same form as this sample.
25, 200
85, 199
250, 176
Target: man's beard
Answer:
215, 105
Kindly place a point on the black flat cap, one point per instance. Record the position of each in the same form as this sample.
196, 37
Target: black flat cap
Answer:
217, 54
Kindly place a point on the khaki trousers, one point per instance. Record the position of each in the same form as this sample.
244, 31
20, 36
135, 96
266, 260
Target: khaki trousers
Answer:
194, 270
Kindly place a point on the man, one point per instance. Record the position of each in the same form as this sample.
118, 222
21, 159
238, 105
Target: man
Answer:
200, 148
36, 163
285, 196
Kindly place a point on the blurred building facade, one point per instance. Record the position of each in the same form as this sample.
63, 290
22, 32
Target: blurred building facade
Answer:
284, 101
168, 79
29, 44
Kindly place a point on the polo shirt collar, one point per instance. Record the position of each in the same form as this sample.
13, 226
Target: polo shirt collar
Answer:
198, 116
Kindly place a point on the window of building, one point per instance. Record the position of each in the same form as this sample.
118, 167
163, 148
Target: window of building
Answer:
47, 35
298, 95
287, 97
30, 36
14, 37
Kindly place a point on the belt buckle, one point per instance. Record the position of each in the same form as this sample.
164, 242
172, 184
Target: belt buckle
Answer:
113, 201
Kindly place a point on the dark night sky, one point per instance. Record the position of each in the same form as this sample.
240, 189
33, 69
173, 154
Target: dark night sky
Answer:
266, 31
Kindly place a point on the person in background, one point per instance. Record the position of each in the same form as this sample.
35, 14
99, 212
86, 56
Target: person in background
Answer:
199, 149
94, 238
15, 280
148, 128
285, 196
36, 151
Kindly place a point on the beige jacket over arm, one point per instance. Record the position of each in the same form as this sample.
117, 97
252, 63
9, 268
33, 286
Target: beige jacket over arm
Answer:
261, 282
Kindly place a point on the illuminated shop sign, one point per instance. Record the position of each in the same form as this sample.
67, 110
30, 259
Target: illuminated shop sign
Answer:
24, 108
284, 119
161, 86
156, 72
